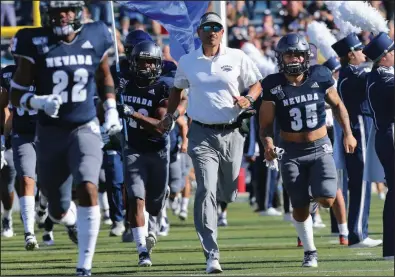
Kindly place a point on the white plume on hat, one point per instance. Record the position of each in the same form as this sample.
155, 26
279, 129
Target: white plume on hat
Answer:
344, 26
362, 14
321, 36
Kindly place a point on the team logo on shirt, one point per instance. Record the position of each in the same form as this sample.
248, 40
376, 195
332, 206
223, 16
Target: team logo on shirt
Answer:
278, 91
226, 68
41, 44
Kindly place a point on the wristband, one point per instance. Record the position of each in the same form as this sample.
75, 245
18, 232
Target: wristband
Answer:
110, 103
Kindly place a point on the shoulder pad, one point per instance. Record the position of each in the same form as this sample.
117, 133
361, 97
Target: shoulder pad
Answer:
271, 80
320, 73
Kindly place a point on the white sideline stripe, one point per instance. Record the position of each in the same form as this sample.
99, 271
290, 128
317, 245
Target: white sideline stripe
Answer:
296, 273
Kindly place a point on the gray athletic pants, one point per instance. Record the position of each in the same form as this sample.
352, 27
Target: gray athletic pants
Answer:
216, 156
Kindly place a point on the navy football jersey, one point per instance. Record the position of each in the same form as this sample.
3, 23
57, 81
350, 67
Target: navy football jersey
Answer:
67, 69
352, 90
380, 93
145, 101
301, 108
23, 122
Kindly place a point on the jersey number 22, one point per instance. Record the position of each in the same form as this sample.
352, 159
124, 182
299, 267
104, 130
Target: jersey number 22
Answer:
61, 80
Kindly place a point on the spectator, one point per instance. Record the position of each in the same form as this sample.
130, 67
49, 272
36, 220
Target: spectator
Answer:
8, 12
294, 19
127, 16
100, 10
230, 15
25, 13
268, 28
250, 6
320, 12
86, 16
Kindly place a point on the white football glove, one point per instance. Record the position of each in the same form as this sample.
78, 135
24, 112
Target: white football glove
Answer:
112, 124
104, 136
50, 104
274, 163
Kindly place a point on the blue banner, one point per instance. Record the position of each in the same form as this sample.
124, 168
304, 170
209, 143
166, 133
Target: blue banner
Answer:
179, 18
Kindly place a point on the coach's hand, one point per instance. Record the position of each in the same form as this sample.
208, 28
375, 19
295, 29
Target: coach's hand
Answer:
350, 143
241, 101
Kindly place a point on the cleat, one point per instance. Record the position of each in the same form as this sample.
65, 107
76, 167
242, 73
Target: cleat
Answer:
107, 221
30, 242
183, 215
151, 241
41, 216
72, 232
127, 236
164, 230
144, 260
117, 229
175, 206
343, 240
213, 266
270, 212
300, 243
310, 259
368, 242
222, 222
48, 238
83, 272
8, 231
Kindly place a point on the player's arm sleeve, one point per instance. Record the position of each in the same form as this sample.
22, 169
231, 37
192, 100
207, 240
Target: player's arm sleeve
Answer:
249, 72
266, 93
23, 46
180, 79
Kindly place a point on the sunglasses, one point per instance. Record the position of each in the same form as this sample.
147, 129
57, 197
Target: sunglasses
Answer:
209, 28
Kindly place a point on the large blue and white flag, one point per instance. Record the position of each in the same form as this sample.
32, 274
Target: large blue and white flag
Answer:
179, 18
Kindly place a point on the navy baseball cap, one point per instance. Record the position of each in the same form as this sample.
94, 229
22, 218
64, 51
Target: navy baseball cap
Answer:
333, 64
347, 44
378, 47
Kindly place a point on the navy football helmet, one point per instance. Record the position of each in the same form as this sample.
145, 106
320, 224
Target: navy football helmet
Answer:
50, 16
293, 43
145, 62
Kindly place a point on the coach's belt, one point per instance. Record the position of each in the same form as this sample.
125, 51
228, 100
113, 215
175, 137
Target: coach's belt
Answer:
218, 126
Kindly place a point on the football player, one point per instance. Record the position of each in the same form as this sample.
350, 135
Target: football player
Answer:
67, 61
148, 147
296, 98
7, 168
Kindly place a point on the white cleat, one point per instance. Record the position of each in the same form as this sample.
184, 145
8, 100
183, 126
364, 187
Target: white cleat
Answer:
118, 228
8, 231
164, 230
144, 260
30, 242
48, 238
271, 212
107, 221
222, 222
288, 217
319, 225
368, 242
310, 259
151, 241
213, 266
183, 215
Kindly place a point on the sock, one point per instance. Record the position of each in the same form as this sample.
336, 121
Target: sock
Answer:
27, 211
7, 214
305, 233
343, 229
139, 238
103, 202
146, 221
163, 212
70, 217
184, 204
223, 214
88, 224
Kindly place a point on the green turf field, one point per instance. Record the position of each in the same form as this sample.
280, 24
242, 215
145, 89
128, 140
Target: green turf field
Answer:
251, 245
